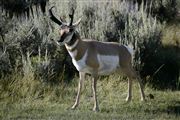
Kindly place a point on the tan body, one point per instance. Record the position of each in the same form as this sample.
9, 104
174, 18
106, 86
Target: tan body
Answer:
95, 58
90, 52
86, 56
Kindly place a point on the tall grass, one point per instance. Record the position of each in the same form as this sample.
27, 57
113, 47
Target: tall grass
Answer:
27, 88
119, 21
116, 21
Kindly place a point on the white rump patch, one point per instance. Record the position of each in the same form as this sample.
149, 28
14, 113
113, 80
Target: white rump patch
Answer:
108, 64
130, 49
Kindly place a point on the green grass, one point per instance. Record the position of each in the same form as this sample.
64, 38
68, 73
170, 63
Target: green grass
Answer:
27, 98
171, 34
111, 97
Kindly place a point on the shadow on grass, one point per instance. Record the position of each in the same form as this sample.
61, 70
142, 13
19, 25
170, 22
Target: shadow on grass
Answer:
163, 67
173, 108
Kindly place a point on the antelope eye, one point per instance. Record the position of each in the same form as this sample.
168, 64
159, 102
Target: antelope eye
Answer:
71, 29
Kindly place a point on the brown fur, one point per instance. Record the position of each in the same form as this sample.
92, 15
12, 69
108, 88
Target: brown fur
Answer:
102, 48
95, 48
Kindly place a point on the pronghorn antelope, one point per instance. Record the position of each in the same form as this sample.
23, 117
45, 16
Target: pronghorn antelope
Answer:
95, 58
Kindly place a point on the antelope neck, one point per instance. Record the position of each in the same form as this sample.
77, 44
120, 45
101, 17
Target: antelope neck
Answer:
73, 40
72, 44
75, 48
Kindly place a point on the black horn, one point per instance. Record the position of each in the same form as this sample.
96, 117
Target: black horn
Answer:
71, 17
53, 18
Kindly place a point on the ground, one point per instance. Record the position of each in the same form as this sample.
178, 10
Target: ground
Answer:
160, 105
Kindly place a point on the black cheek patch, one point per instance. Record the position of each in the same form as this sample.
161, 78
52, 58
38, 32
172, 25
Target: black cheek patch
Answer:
71, 29
62, 38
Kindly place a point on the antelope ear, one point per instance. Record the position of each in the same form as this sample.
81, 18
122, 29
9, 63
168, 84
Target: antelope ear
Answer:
78, 22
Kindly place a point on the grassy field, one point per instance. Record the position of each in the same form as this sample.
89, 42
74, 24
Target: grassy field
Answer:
30, 99
111, 96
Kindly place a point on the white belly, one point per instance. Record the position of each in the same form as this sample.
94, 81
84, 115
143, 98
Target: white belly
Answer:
108, 64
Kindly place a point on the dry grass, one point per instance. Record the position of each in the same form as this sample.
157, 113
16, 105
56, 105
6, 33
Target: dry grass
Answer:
28, 98
171, 35
111, 97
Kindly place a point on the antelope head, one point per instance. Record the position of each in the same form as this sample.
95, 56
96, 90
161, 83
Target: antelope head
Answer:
67, 30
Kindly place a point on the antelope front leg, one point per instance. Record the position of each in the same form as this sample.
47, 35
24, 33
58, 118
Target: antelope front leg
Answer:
81, 79
94, 82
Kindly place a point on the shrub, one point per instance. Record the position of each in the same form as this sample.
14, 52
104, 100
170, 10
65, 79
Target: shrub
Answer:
118, 21
164, 10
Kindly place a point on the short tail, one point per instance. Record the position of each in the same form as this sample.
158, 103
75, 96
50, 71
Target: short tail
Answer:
130, 49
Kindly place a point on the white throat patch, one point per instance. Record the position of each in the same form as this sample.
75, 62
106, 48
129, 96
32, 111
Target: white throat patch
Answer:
72, 46
72, 53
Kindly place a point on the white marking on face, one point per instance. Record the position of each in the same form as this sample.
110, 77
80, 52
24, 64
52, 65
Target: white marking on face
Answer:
64, 30
108, 64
